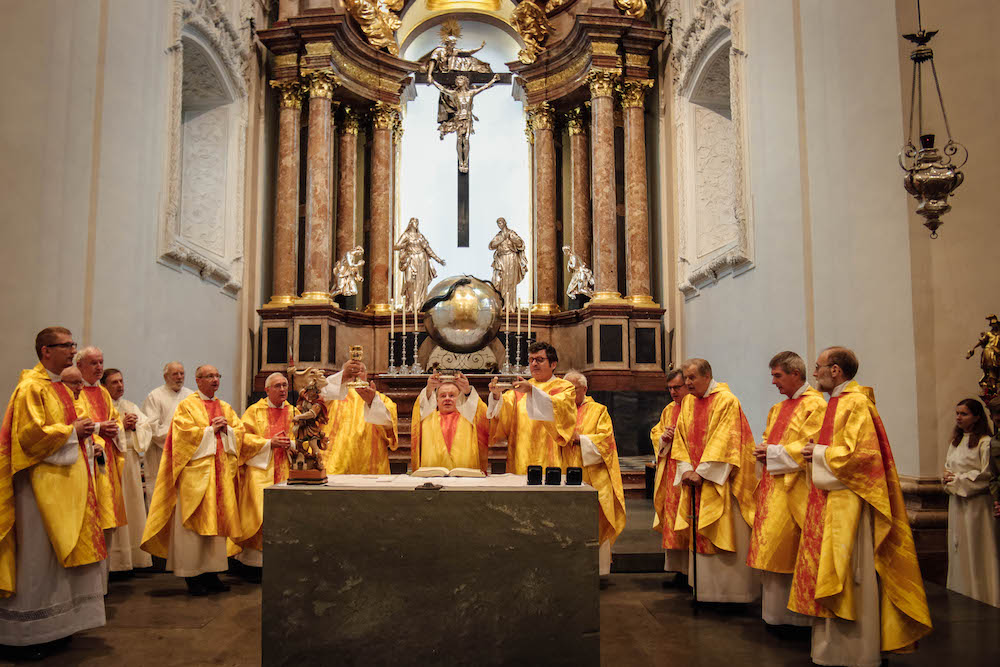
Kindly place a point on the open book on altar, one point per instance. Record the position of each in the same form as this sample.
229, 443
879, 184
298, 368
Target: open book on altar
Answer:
437, 471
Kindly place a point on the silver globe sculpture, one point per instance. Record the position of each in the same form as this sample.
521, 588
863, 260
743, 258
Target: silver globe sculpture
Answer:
462, 313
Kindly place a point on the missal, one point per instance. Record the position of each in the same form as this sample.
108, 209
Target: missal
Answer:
438, 471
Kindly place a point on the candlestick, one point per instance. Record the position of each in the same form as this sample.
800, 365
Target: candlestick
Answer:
529, 320
392, 336
403, 368
415, 366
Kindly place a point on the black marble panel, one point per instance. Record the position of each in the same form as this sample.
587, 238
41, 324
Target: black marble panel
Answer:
277, 345
310, 342
645, 345
633, 413
611, 342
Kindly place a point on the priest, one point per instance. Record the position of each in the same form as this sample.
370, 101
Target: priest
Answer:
51, 542
783, 488
856, 567
713, 447
361, 426
159, 407
593, 449
666, 495
537, 417
267, 440
135, 437
194, 502
449, 426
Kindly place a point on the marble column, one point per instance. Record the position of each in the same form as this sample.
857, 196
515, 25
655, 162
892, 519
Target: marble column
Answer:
543, 126
605, 224
385, 118
318, 215
580, 162
633, 95
286, 206
347, 182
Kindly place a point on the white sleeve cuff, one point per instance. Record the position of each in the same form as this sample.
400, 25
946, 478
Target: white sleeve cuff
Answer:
333, 390
714, 471
207, 446
68, 453
779, 461
377, 413
493, 407
682, 467
428, 402
468, 406
591, 455
823, 477
538, 405
119, 440
262, 458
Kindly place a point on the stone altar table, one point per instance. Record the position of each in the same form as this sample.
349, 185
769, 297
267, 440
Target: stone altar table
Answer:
485, 571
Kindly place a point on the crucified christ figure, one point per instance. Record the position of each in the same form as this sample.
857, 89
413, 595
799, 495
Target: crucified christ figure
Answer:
455, 114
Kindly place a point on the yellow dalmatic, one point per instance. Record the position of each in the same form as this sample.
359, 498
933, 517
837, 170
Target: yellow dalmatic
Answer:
860, 458
594, 423
450, 441
666, 496
714, 429
37, 424
261, 466
356, 447
534, 441
781, 499
205, 486
96, 403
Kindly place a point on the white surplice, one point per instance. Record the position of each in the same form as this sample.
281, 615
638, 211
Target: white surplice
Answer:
126, 554
159, 409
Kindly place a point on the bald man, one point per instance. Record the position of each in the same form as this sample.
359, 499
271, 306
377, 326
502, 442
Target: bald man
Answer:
159, 408
449, 426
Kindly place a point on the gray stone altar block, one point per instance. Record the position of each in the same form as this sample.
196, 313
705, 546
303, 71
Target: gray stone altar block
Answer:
459, 576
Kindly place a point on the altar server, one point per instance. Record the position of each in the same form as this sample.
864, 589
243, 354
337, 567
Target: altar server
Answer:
665, 494
537, 417
783, 488
593, 449
361, 426
856, 528
194, 503
159, 407
449, 426
51, 542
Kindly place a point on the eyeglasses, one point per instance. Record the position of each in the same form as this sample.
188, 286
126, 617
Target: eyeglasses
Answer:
69, 345
213, 376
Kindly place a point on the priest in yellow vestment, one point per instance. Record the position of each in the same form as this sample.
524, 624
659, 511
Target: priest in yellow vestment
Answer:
713, 447
361, 424
194, 502
537, 417
666, 495
51, 542
593, 449
449, 426
267, 441
783, 488
856, 566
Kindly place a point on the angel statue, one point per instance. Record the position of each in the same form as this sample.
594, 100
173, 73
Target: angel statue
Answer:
455, 114
415, 255
449, 58
581, 279
347, 273
989, 360
509, 263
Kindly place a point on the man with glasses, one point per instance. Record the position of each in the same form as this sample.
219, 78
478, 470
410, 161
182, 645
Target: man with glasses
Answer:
51, 543
159, 407
856, 540
666, 495
536, 417
194, 505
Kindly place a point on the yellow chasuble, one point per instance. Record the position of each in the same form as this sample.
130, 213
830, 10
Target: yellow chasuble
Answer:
95, 402
206, 486
530, 441
356, 447
260, 468
860, 458
713, 429
449, 441
37, 424
594, 423
666, 496
781, 499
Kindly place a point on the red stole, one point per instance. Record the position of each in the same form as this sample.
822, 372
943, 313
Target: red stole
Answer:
277, 424
449, 423
214, 409
696, 447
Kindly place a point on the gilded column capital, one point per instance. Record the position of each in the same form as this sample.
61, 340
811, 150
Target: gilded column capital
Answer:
529, 133
635, 9
542, 117
633, 92
321, 82
602, 82
291, 92
575, 121
352, 120
385, 116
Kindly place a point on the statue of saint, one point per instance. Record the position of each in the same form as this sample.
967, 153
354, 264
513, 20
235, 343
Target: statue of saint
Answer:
455, 114
347, 273
449, 58
989, 361
310, 440
509, 263
581, 279
415, 255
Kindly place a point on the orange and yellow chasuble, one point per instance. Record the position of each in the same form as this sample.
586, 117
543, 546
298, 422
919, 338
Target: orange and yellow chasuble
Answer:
261, 422
449, 441
859, 456
666, 496
36, 425
594, 422
781, 499
96, 403
530, 441
356, 447
206, 487
714, 429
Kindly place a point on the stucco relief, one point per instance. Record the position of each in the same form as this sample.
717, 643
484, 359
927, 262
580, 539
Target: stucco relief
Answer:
203, 190
714, 186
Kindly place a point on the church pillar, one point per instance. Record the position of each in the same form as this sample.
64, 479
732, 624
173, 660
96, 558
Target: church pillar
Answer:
580, 161
543, 125
286, 204
602, 128
385, 118
318, 214
347, 182
633, 94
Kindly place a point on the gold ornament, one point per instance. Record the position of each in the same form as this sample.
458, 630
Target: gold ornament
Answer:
351, 121
635, 9
633, 92
321, 82
385, 116
542, 117
575, 121
534, 28
291, 93
377, 21
602, 82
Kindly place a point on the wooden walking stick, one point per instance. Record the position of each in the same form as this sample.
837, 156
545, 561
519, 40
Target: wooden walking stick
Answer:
694, 553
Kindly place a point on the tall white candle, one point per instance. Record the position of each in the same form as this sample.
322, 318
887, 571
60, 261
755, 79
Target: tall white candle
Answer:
392, 319
403, 355
519, 318
529, 320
